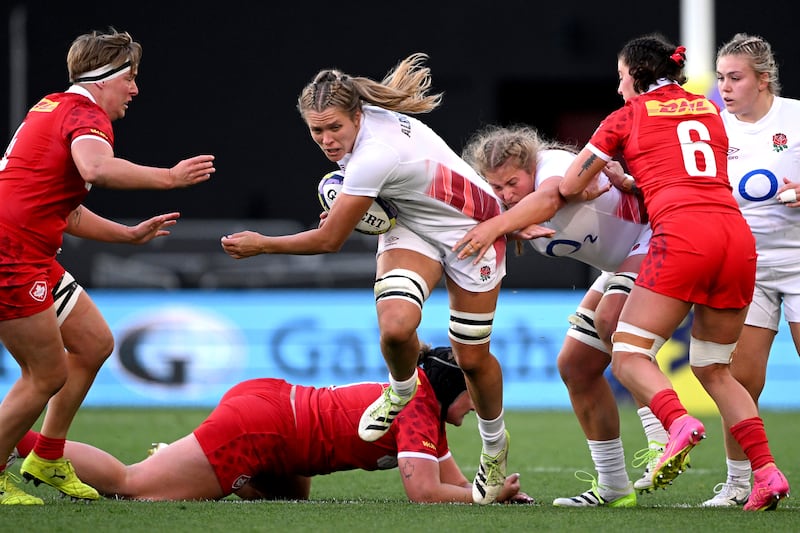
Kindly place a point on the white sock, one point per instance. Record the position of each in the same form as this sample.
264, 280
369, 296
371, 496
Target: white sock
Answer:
738, 472
653, 430
404, 390
609, 461
493, 434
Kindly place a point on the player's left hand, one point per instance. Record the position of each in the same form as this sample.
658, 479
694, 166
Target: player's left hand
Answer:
149, 229
534, 231
788, 193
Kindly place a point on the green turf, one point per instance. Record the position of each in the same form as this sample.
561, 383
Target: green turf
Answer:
547, 448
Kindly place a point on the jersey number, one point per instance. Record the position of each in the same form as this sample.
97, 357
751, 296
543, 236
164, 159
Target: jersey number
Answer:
695, 151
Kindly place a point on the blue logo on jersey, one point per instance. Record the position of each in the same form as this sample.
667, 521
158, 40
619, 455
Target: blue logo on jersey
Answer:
758, 173
562, 247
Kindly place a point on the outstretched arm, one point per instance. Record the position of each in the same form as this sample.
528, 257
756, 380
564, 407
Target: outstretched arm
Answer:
327, 238
97, 165
430, 481
84, 223
535, 208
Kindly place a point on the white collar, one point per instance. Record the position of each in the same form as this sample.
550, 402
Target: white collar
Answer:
77, 89
660, 82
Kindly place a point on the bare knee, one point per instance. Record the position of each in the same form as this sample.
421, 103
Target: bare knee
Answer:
578, 370
47, 380
397, 328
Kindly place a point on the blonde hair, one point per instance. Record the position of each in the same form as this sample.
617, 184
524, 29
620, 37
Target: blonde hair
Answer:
494, 146
97, 49
759, 54
404, 89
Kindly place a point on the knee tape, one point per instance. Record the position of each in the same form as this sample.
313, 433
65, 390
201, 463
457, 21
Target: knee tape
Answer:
582, 329
705, 353
629, 338
620, 283
401, 283
470, 328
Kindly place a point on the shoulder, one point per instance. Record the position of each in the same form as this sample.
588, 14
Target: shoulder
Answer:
552, 163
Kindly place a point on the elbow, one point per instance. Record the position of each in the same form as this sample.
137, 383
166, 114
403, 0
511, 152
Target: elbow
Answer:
329, 247
92, 176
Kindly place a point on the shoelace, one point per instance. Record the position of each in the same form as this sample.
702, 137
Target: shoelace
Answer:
725, 489
644, 456
492, 464
4, 481
586, 477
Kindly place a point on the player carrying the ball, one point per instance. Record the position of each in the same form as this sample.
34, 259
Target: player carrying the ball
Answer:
364, 126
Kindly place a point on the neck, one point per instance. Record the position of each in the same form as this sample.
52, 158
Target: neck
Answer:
760, 108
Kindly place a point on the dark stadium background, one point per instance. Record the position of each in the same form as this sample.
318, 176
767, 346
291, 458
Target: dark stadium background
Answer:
224, 78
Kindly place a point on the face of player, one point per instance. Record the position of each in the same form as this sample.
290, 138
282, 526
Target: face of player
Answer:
510, 183
117, 94
741, 88
625, 88
459, 409
334, 131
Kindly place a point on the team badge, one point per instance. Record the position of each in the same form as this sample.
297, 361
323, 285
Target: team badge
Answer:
240, 482
39, 291
486, 273
780, 142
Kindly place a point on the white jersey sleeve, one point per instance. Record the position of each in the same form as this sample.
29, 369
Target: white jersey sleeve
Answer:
399, 158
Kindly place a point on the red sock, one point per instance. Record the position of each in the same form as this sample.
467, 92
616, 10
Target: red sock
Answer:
752, 437
50, 449
667, 407
25, 446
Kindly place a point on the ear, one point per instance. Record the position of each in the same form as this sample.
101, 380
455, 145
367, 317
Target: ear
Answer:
763, 81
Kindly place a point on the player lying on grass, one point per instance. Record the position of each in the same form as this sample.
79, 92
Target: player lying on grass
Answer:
266, 438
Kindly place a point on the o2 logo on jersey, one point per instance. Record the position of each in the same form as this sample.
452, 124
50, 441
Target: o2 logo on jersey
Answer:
564, 247
758, 185
179, 353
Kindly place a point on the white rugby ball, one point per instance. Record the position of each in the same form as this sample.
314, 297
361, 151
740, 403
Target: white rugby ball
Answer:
380, 217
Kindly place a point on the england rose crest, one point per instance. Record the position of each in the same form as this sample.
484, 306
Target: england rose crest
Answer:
779, 142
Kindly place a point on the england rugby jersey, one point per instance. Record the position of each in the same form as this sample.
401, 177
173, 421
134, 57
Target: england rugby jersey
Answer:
760, 155
401, 159
601, 233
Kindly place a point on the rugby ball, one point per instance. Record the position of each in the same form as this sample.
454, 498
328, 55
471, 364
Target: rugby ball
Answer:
380, 217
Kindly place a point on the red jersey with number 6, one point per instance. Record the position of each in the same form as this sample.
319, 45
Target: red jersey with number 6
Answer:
675, 145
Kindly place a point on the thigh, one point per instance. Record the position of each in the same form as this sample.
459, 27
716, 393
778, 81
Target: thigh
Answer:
34, 341
471, 302
749, 361
179, 471
84, 329
794, 328
653, 312
426, 267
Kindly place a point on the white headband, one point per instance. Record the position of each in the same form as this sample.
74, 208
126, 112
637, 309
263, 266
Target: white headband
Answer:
104, 73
